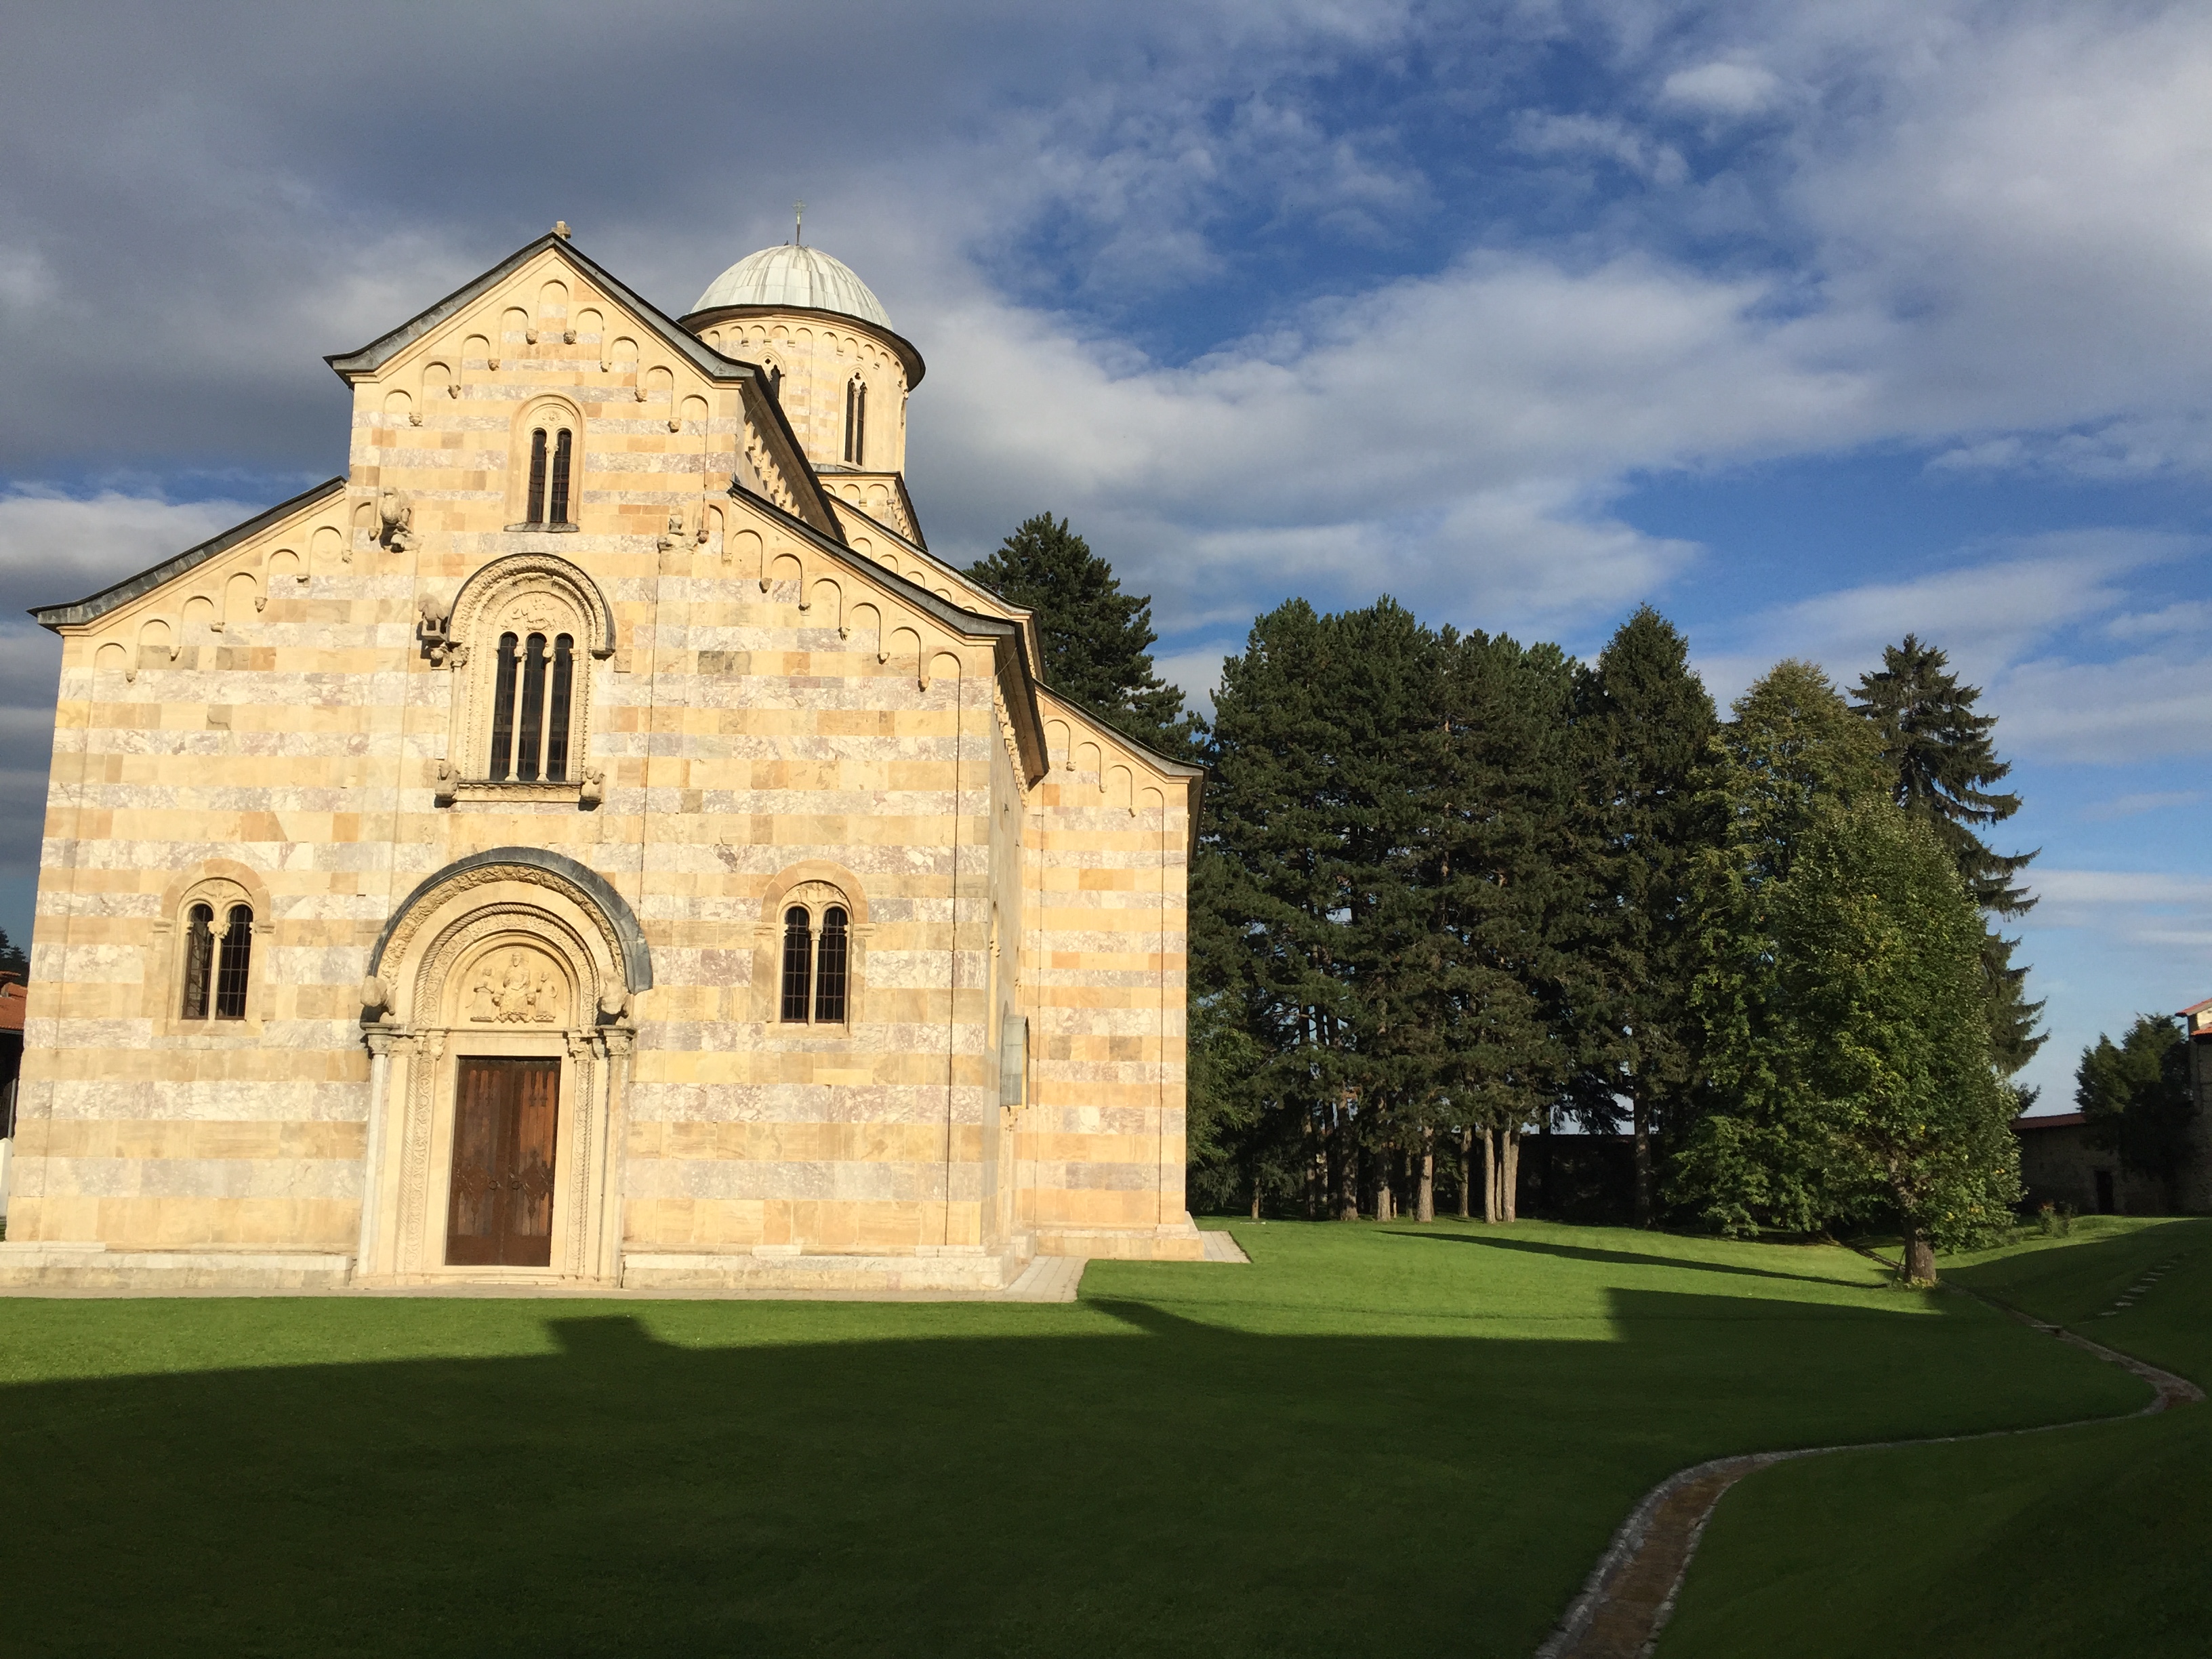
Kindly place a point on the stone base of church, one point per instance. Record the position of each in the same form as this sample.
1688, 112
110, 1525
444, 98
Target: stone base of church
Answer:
33, 1265
1176, 1242
943, 1268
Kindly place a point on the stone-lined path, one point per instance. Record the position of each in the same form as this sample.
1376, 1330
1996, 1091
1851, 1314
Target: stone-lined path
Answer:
1626, 1600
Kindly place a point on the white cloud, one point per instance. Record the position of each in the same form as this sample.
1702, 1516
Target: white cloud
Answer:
62, 542
2129, 806
1727, 87
1987, 616
1542, 133
2160, 912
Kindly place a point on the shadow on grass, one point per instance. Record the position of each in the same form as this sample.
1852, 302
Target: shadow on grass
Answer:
1627, 1258
1105, 1479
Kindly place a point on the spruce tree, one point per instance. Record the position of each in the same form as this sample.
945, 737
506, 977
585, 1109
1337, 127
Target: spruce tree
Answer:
1097, 641
1643, 723
1938, 747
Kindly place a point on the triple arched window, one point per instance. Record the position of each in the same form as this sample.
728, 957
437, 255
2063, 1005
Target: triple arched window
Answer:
856, 421
218, 960
533, 697
552, 461
817, 965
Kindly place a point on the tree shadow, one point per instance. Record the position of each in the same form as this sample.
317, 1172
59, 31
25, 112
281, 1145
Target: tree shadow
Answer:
1628, 1258
1109, 1478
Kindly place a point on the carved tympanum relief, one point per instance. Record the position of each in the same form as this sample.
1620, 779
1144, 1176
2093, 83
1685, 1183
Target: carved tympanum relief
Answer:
512, 987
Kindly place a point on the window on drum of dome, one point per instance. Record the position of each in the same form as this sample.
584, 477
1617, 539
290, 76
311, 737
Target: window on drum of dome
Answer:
217, 966
552, 455
533, 694
775, 384
856, 421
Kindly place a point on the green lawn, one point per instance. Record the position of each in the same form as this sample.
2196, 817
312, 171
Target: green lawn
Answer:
1376, 1439
2094, 1540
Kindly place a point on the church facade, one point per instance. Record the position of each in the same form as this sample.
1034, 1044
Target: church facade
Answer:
593, 841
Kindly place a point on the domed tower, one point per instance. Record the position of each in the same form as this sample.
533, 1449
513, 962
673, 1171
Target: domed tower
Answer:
832, 359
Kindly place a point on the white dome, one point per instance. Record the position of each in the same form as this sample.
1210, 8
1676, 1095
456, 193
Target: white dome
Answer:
794, 275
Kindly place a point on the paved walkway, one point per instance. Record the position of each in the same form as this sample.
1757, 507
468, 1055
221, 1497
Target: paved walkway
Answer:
1629, 1594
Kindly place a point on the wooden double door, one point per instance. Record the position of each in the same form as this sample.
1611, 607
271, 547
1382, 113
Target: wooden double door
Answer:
505, 1115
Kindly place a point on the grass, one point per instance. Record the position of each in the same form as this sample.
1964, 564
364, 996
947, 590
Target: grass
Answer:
1376, 1439
2088, 1541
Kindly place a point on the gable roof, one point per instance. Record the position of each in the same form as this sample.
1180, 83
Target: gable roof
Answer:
58, 617
380, 350
709, 361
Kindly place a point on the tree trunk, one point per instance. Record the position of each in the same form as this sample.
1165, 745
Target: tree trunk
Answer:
1425, 1208
1489, 1176
1344, 1173
1510, 1181
1255, 1189
1642, 1156
1385, 1200
1466, 1173
1919, 1255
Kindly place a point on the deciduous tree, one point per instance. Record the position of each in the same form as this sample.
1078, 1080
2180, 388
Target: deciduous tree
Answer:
2137, 1098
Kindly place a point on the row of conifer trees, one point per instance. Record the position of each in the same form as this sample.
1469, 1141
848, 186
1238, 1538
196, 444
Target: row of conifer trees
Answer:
1451, 890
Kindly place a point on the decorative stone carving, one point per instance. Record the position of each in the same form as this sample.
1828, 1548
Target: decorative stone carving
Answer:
374, 994
594, 786
446, 782
395, 515
514, 987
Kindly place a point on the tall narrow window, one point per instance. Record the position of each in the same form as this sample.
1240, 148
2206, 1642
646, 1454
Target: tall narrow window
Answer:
830, 971
563, 444
556, 712
774, 383
535, 506
798, 953
856, 421
230, 970
528, 749
199, 960
502, 765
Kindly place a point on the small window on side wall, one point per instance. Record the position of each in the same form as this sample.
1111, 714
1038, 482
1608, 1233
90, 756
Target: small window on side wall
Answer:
817, 965
218, 961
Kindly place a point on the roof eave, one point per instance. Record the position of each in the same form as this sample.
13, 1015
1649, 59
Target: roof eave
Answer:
909, 358
114, 597
372, 357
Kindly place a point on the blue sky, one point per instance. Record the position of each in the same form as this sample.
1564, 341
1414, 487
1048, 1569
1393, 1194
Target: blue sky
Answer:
1811, 324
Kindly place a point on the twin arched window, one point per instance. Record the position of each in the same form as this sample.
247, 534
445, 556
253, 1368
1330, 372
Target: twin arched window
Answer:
816, 965
856, 421
552, 453
532, 697
216, 962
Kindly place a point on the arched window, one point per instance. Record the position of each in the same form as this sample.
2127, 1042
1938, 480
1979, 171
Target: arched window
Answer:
531, 714
856, 421
830, 968
541, 506
815, 982
798, 960
218, 961
774, 383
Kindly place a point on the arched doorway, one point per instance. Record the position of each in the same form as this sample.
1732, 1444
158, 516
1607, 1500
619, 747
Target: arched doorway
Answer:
496, 1012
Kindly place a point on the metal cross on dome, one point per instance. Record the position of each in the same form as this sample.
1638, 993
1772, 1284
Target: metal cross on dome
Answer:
799, 223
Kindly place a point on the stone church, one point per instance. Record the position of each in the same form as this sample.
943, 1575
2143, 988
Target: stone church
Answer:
594, 841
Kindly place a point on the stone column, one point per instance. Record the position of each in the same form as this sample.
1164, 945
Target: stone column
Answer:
615, 1042
380, 1044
